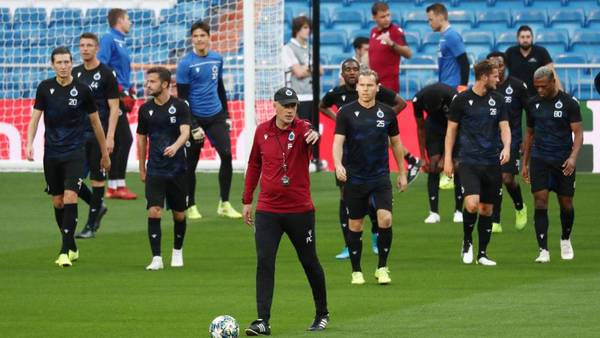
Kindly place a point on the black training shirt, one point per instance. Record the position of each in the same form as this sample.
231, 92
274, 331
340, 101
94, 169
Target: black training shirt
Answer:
435, 99
515, 97
523, 67
103, 84
342, 95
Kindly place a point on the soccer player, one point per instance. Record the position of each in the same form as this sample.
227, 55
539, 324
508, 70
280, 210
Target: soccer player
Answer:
361, 54
363, 132
480, 119
66, 105
340, 96
279, 159
165, 122
435, 100
200, 83
553, 141
387, 45
103, 84
523, 59
515, 98
115, 54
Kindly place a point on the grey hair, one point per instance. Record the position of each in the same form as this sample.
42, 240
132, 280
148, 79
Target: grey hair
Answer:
543, 72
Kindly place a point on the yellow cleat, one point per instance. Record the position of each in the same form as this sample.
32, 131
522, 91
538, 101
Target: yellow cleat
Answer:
496, 228
383, 275
73, 255
357, 278
63, 261
521, 218
226, 210
446, 183
193, 213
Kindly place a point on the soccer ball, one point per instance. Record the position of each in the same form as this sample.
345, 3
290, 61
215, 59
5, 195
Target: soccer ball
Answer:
224, 327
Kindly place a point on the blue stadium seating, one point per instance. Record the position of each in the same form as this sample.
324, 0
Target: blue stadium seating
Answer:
141, 17
478, 42
536, 19
496, 19
569, 19
556, 41
430, 43
66, 17
4, 18
505, 40
461, 20
348, 20
96, 16
334, 42
413, 40
585, 42
416, 21
29, 18
593, 19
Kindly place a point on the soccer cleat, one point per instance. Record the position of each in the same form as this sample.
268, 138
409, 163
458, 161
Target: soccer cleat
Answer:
73, 255
156, 264
192, 213
320, 323
446, 183
101, 213
111, 194
433, 217
345, 254
226, 210
485, 261
374, 243
544, 256
357, 278
259, 327
413, 171
521, 218
125, 194
566, 249
87, 232
496, 227
383, 275
467, 252
177, 258
63, 261
458, 217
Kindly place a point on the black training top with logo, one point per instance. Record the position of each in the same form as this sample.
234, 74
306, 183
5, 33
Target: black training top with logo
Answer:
478, 130
161, 125
524, 67
342, 95
66, 111
103, 84
515, 97
367, 132
551, 122
435, 99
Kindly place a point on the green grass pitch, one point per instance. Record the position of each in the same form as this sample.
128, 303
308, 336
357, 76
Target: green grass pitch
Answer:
109, 294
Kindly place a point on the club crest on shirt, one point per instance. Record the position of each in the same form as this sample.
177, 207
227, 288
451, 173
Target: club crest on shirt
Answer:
291, 136
172, 110
74, 92
491, 102
558, 104
509, 90
97, 76
379, 113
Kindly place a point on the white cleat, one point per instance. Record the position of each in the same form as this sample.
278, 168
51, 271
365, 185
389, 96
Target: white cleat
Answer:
485, 261
433, 217
467, 253
156, 264
544, 256
458, 218
177, 258
566, 249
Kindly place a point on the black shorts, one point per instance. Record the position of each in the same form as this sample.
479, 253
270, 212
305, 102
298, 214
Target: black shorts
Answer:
64, 173
217, 131
358, 197
513, 166
173, 189
482, 180
548, 176
434, 143
93, 157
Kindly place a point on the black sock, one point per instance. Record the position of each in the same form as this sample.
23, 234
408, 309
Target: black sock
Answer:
95, 205
225, 174
154, 235
515, 193
384, 244
409, 158
373, 217
355, 247
484, 228
85, 194
69, 225
458, 197
58, 216
540, 220
179, 234
343, 215
433, 191
566, 220
497, 208
469, 220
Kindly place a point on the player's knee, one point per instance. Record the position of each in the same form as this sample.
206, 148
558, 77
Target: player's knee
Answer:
541, 203
508, 180
486, 209
472, 205
154, 212
57, 202
566, 203
179, 216
384, 220
70, 197
355, 225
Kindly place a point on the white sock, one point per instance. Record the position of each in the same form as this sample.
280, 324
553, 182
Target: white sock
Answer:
120, 183
112, 184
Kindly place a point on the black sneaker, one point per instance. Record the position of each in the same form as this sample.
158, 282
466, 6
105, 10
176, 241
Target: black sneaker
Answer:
101, 213
87, 232
259, 327
413, 171
320, 323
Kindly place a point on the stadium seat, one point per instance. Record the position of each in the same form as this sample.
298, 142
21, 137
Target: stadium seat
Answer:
583, 89
495, 19
66, 17
413, 40
141, 17
172, 15
586, 42
478, 42
29, 18
96, 16
430, 43
359, 33
556, 41
472, 4
333, 42
535, 18
570, 58
593, 19
569, 19
348, 17
4, 18
195, 10
505, 40
12, 38
461, 20
416, 21
421, 60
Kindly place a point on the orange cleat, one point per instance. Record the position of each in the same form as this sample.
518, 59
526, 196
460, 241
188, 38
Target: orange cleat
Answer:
125, 194
111, 194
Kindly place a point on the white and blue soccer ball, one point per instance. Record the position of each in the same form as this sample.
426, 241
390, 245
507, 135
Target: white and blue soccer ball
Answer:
224, 327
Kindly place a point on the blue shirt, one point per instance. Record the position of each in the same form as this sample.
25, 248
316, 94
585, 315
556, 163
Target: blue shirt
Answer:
114, 53
451, 47
202, 74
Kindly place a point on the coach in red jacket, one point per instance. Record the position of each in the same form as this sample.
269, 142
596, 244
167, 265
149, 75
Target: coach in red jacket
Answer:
279, 158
